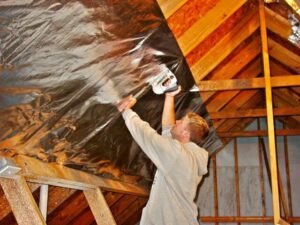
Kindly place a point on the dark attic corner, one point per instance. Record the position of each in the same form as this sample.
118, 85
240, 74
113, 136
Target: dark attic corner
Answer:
72, 150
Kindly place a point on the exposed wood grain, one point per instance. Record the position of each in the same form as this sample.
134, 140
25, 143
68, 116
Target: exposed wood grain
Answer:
99, 207
226, 114
169, 7
260, 133
21, 201
225, 46
284, 55
57, 175
203, 27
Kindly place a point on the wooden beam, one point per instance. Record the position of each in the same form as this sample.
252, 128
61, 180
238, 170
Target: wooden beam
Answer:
54, 174
206, 25
237, 180
99, 207
261, 173
282, 222
278, 24
243, 219
258, 133
270, 118
169, 7
225, 46
216, 199
21, 201
284, 55
244, 113
287, 170
252, 83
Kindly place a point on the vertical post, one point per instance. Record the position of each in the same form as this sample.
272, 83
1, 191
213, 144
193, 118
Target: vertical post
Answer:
237, 180
214, 160
44, 200
261, 172
270, 117
99, 207
21, 201
288, 177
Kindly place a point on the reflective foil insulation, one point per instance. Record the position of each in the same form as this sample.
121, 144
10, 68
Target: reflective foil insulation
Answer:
63, 66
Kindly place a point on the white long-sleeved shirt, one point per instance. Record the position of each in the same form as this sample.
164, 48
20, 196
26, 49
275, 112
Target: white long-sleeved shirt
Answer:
180, 168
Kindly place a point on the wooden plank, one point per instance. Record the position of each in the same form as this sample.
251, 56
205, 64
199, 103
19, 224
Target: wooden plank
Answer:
99, 207
57, 175
68, 210
216, 199
21, 201
58, 195
169, 7
251, 83
270, 118
284, 55
261, 174
225, 46
227, 114
256, 133
278, 24
288, 176
131, 209
243, 219
206, 25
237, 180
84, 218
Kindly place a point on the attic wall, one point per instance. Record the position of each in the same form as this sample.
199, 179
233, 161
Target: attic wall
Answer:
249, 178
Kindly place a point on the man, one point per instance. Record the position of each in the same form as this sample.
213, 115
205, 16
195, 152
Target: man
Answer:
180, 162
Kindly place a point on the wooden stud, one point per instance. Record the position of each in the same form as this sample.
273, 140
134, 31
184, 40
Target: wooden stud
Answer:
270, 118
261, 174
237, 181
288, 176
216, 205
99, 207
206, 25
21, 201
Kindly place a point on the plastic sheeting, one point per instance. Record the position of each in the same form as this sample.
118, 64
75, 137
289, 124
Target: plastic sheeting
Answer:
63, 66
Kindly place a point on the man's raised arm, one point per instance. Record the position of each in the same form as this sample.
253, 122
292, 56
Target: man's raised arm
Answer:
168, 116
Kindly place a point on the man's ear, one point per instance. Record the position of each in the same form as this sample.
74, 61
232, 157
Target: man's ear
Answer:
186, 133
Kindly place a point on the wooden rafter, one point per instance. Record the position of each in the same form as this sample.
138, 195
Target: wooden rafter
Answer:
57, 175
250, 83
206, 25
227, 114
225, 46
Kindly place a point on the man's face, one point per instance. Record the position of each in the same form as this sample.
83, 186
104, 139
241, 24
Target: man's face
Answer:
180, 127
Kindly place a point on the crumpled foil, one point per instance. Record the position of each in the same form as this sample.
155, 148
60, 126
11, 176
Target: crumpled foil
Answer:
63, 66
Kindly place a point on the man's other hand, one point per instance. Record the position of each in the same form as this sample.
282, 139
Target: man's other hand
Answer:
126, 103
173, 93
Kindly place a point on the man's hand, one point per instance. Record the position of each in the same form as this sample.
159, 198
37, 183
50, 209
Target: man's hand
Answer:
126, 103
173, 93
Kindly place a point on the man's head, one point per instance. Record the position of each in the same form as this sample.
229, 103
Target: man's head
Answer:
191, 127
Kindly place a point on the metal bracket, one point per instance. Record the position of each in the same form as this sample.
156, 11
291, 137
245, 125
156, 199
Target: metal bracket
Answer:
8, 168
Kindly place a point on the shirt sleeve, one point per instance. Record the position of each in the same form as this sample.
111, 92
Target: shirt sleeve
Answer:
162, 150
